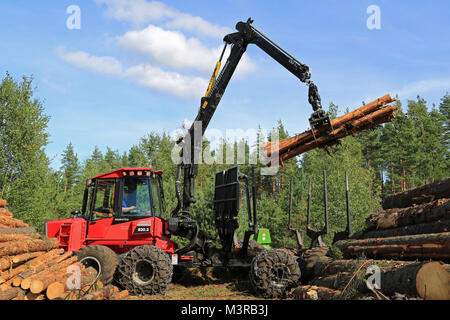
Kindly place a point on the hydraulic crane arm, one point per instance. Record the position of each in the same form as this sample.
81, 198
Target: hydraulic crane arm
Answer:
246, 34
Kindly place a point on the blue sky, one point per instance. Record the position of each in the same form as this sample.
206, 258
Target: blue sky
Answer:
136, 66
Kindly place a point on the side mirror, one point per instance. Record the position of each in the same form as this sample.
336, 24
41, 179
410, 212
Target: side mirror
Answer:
75, 213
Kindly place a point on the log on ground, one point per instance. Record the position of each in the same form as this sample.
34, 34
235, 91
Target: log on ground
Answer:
428, 280
105, 293
12, 261
41, 282
426, 193
32, 265
316, 293
2, 203
60, 288
423, 213
10, 294
49, 268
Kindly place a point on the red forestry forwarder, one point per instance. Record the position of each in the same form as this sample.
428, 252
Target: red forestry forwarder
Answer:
121, 232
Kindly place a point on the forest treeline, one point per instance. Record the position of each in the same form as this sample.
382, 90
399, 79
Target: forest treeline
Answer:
408, 152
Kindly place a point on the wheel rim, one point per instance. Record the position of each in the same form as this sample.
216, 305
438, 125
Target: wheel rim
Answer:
279, 274
143, 272
92, 262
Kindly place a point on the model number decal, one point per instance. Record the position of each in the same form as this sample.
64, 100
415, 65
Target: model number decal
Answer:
139, 229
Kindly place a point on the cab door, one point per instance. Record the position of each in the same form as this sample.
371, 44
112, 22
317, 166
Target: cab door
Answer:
102, 208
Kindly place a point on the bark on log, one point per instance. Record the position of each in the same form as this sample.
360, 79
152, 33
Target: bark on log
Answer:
11, 262
33, 296
18, 247
428, 280
376, 118
26, 256
22, 230
40, 283
120, 295
48, 269
393, 218
339, 266
104, 294
17, 237
59, 289
286, 144
316, 293
9, 294
2, 203
422, 228
309, 259
426, 193
32, 265
424, 246
4, 212
11, 222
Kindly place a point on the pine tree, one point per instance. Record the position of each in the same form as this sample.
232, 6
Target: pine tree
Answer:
70, 167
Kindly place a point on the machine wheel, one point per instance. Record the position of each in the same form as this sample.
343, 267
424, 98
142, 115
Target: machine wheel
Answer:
273, 272
145, 270
254, 247
102, 259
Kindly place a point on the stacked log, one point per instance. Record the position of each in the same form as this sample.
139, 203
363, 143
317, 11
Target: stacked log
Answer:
413, 230
351, 279
32, 267
437, 190
363, 118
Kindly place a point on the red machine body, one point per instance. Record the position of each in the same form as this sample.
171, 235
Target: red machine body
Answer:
74, 234
119, 230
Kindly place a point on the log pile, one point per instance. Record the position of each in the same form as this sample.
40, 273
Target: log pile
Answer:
32, 267
406, 245
413, 230
382, 279
363, 118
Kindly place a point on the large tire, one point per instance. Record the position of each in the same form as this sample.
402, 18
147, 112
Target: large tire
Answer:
273, 272
102, 259
254, 247
145, 270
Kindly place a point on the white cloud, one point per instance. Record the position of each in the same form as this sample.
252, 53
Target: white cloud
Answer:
82, 60
140, 12
147, 75
169, 82
173, 49
416, 88
167, 53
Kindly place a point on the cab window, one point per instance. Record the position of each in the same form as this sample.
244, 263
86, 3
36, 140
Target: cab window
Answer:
136, 197
103, 199
156, 197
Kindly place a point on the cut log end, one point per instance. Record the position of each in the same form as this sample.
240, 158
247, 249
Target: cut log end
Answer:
55, 290
37, 286
433, 282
